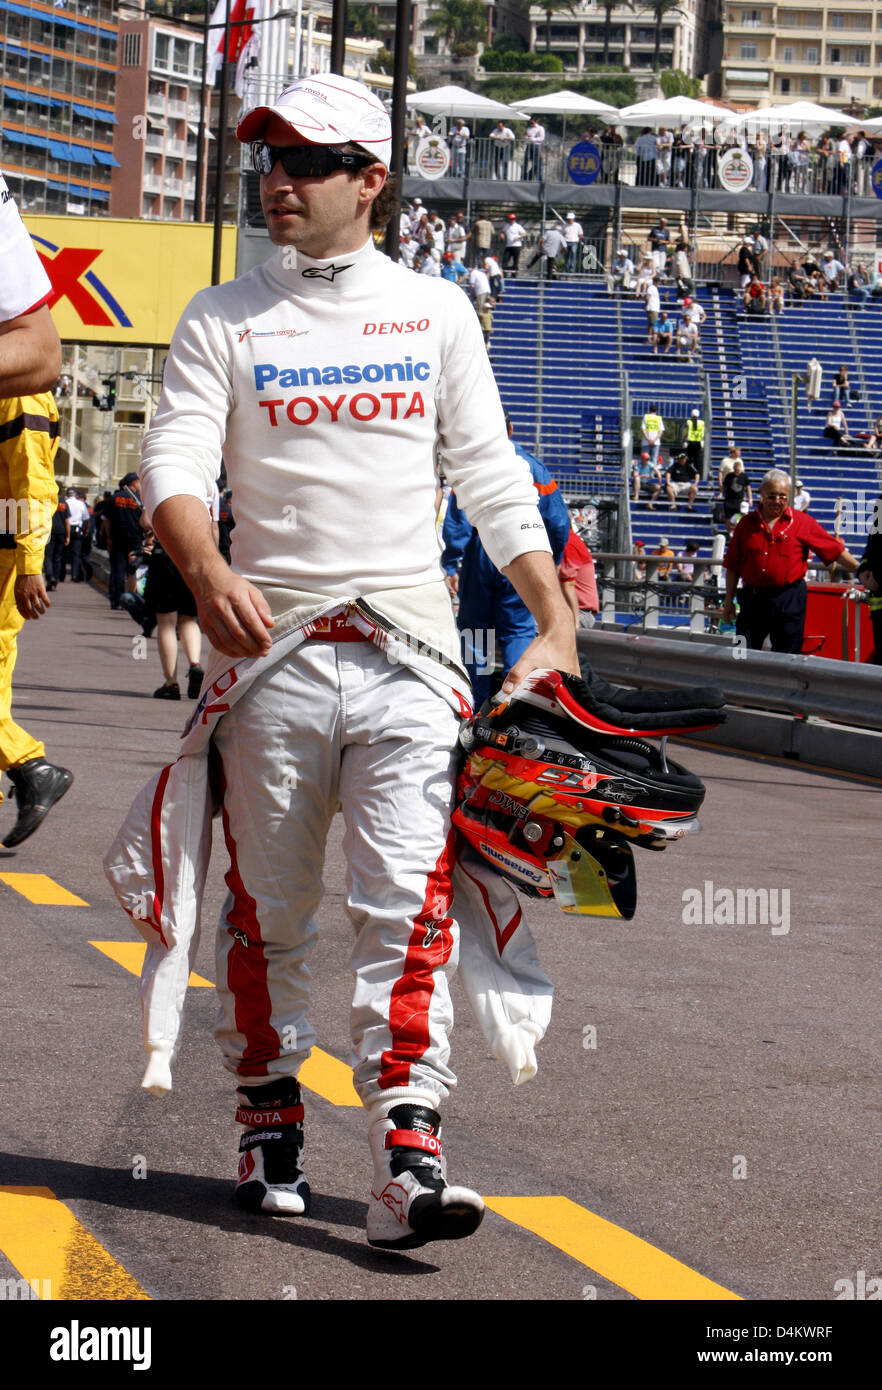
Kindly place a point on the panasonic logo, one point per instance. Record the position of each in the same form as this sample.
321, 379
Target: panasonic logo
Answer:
351, 374
513, 865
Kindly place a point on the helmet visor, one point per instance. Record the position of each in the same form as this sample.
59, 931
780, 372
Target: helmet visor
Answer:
596, 882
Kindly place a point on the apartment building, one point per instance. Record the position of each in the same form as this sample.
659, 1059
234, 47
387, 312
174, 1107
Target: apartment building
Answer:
812, 50
577, 35
158, 110
57, 116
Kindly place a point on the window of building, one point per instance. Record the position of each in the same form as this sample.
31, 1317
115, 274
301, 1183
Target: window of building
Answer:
805, 84
860, 56
161, 46
785, 85
837, 21
835, 55
751, 17
811, 55
748, 50
834, 85
787, 55
181, 60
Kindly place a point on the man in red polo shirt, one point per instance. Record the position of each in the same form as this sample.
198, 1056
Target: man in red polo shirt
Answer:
769, 553
579, 581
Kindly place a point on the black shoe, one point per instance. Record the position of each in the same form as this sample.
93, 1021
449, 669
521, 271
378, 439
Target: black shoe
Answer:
37, 785
148, 626
195, 677
168, 692
270, 1176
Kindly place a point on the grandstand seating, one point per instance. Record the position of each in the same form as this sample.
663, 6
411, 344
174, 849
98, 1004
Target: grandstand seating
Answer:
565, 401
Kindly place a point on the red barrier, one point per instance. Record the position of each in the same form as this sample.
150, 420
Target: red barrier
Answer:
830, 624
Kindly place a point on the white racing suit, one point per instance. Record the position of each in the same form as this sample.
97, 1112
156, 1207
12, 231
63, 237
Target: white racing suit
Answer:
329, 386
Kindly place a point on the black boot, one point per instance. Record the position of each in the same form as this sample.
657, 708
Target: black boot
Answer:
37, 785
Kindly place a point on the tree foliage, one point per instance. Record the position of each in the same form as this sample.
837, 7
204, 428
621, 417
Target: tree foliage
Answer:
462, 23
492, 60
676, 83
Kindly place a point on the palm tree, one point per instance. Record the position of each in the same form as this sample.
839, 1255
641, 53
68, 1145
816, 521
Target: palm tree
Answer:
660, 9
608, 7
458, 21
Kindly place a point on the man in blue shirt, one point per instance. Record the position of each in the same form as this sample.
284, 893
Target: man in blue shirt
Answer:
490, 609
452, 269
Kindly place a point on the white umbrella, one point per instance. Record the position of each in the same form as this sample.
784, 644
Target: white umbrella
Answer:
873, 126
797, 115
569, 104
674, 111
459, 101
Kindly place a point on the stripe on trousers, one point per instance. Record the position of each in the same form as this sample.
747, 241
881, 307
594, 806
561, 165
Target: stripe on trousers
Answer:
412, 991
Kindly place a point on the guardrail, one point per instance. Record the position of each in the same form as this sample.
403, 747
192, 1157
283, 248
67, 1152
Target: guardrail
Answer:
802, 686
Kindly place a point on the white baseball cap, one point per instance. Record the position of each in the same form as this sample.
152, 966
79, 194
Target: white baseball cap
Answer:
326, 110
571, 215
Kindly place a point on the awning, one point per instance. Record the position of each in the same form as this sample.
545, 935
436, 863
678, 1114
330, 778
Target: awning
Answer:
194, 130
38, 142
104, 158
59, 150
81, 155
156, 122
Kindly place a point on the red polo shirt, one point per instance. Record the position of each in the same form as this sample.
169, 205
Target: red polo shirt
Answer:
765, 557
577, 567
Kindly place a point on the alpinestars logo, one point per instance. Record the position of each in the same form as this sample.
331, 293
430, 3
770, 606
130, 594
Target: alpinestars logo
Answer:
328, 273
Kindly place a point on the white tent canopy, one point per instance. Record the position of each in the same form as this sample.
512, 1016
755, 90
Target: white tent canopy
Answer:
569, 104
459, 101
675, 111
797, 115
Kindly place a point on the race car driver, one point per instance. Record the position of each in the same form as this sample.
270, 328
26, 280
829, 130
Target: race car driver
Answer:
329, 377
30, 360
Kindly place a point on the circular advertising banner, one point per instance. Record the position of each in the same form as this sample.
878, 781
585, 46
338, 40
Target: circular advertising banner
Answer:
583, 162
735, 170
432, 158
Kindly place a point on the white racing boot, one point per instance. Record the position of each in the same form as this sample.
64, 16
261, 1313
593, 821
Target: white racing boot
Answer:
411, 1202
270, 1177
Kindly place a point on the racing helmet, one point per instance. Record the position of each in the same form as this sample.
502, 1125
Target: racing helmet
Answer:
554, 796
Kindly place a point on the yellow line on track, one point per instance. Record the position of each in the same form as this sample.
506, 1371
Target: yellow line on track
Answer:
55, 1254
40, 889
130, 955
327, 1076
614, 1253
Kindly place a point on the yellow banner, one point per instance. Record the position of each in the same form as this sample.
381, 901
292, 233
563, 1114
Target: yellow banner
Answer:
122, 281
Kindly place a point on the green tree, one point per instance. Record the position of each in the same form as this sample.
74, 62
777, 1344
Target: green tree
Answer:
608, 6
661, 9
362, 22
462, 23
677, 84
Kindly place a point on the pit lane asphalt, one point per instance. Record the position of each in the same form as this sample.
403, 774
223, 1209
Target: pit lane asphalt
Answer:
713, 1043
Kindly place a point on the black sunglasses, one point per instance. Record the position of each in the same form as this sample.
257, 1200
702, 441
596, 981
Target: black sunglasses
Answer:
305, 161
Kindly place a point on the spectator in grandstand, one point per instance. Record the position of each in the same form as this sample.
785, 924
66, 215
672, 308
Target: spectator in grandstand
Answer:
727, 463
798, 281
422, 231
427, 262
870, 575
503, 138
736, 489
645, 146
436, 225
682, 479
842, 161
485, 319
639, 560
481, 237
695, 430
754, 296
842, 388
693, 312
859, 283
611, 144
646, 476
664, 333
652, 305
514, 235
802, 498
578, 581
573, 236
457, 236
682, 154
622, 273
478, 288
815, 284
493, 271
760, 244
549, 250
684, 570
534, 145
407, 249
664, 146
663, 572
759, 152
452, 269
836, 428
459, 146
769, 554
687, 340
860, 149
832, 271
652, 427
748, 265
645, 276
682, 269
875, 440
776, 295
659, 240
825, 155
